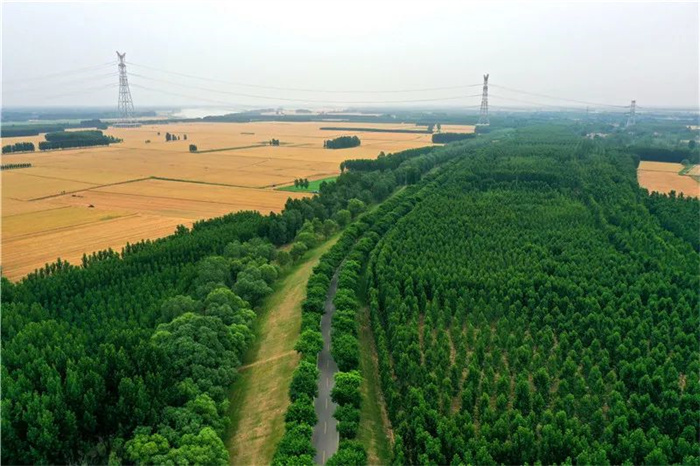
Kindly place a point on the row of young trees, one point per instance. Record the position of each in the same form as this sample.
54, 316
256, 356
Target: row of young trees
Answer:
531, 308
301, 183
13, 166
18, 147
82, 369
174, 137
342, 142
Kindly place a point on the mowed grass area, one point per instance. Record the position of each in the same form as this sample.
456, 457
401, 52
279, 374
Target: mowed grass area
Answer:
314, 185
665, 177
374, 432
163, 183
260, 396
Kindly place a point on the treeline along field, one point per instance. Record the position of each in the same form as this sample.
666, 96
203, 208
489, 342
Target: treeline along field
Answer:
68, 139
531, 308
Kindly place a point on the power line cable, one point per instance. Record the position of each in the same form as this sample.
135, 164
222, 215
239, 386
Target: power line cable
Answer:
82, 91
583, 102
72, 83
287, 99
330, 91
538, 104
63, 73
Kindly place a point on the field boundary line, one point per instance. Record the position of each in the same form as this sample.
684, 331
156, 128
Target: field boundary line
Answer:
212, 183
69, 227
174, 198
87, 189
33, 211
229, 148
56, 177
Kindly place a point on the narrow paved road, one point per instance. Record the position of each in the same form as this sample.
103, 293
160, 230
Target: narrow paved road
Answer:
325, 438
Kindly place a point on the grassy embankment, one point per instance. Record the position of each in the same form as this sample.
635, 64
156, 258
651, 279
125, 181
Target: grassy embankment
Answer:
260, 395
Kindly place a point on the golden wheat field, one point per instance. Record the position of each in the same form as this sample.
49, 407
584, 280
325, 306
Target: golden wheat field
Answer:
663, 177
78, 201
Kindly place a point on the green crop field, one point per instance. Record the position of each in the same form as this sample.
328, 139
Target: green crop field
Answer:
313, 186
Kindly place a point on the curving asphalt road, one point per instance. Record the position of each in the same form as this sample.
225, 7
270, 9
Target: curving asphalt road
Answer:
325, 438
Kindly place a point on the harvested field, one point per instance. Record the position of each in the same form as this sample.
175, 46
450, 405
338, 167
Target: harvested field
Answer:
179, 199
694, 171
163, 184
24, 254
664, 178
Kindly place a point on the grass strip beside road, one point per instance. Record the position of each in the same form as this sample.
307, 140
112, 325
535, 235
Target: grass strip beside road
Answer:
374, 431
260, 395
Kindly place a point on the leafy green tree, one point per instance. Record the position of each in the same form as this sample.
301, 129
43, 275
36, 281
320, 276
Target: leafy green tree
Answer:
304, 380
343, 217
301, 411
356, 206
298, 250
310, 343
347, 388
346, 352
350, 453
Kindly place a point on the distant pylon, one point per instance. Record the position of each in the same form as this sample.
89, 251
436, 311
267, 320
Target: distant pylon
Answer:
484, 114
632, 115
125, 105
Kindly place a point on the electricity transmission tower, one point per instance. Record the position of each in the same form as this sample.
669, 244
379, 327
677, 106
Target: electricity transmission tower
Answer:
633, 111
484, 115
125, 105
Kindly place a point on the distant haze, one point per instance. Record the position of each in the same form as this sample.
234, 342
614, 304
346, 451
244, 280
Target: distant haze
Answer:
598, 52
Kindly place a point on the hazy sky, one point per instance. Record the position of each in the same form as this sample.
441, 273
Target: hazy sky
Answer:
599, 52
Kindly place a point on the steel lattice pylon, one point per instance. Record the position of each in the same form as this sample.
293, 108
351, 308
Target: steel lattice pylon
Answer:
632, 115
484, 114
125, 105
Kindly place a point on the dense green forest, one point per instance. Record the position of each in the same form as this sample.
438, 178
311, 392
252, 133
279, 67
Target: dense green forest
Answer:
529, 303
537, 306
444, 138
128, 357
34, 129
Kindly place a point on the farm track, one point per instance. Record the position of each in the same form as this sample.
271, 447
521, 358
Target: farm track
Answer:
265, 361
